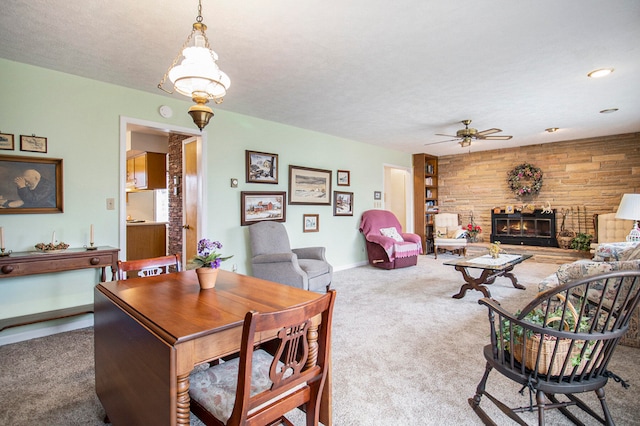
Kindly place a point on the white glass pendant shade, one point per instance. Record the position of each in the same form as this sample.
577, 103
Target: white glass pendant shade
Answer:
198, 74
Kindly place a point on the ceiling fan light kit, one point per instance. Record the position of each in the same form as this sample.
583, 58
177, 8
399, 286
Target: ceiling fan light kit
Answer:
198, 75
467, 135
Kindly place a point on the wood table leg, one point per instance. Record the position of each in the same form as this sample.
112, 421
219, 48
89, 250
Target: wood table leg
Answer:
183, 401
473, 283
487, 277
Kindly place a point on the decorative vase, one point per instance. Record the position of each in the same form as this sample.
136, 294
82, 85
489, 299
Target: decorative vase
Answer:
207, 277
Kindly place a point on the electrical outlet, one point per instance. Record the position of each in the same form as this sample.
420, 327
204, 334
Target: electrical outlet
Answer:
111, 204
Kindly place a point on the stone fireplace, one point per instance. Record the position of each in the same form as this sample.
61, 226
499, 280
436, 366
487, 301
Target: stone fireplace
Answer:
536, 228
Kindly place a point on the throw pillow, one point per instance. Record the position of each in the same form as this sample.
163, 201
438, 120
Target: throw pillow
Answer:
391, 233
460, 233
632, 253
441, 231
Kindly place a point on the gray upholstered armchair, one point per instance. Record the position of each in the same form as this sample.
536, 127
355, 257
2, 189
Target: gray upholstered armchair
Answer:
273, 259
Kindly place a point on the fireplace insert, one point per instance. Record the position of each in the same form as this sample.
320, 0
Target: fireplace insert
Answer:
528, 229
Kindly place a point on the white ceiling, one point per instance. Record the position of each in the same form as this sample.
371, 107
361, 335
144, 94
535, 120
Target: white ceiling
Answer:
390, 73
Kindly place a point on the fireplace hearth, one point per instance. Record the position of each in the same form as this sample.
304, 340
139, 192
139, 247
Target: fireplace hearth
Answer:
528, 229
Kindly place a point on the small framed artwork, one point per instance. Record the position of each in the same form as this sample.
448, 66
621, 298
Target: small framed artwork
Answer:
33, 143
509, 209
310, 222
30, 185
342, 203
377, 195
6, 141
261, 206
344, 178
309, 186
261, 167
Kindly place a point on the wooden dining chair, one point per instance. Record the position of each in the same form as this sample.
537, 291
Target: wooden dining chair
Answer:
262, 385
149, 267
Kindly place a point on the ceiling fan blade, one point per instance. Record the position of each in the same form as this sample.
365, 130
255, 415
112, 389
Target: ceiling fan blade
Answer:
488, 132
435, 143
497, 138
451, 136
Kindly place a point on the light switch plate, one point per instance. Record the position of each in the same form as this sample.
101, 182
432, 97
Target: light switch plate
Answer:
111, 204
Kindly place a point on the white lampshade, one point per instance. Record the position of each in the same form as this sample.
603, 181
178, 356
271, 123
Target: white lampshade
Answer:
629, 208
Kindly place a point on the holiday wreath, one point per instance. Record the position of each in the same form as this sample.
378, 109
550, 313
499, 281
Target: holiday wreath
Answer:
525, 179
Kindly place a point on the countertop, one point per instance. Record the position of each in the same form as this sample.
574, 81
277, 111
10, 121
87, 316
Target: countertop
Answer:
146, 223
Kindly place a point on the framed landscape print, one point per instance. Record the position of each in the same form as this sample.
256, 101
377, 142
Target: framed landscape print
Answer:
30, 185
260, 206
342, 203
6, 141
344, 178
310, 222
261, 167
309, 186
33, 143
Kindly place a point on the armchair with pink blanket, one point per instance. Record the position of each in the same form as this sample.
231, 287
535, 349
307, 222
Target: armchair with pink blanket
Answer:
387, 246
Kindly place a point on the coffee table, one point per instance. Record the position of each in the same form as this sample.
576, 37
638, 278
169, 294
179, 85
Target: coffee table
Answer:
491, 269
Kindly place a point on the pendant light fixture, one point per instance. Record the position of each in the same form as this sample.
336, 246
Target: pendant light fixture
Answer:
198, 75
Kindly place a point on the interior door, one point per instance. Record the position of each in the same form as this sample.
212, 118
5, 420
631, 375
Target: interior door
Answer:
190, 199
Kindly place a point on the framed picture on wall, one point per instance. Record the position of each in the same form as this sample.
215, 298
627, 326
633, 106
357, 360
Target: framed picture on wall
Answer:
309, 186
261, 167
30, 185
342, 203
310, 222
260, 206
6, 141
33, 143
344, 178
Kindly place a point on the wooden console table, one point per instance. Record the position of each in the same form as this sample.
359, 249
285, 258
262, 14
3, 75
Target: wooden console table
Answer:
32, 263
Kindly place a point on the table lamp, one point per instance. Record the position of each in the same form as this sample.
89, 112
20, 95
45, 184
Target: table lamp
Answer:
629, 208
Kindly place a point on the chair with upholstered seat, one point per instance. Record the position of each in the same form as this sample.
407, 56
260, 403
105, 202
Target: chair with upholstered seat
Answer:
387, 246
559, 344
273, 259
148, 267
262, 385
448, 234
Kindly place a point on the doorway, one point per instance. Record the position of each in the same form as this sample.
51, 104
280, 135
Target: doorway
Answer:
398, 195
176, 213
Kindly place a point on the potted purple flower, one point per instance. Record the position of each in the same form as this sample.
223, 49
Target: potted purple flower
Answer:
208, 261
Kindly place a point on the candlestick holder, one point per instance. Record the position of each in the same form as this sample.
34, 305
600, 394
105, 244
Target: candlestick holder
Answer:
91, 247
4, 253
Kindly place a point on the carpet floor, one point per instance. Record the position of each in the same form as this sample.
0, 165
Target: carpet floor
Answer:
404, 353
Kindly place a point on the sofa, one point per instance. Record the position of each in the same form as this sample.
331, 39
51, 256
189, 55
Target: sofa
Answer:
609, 257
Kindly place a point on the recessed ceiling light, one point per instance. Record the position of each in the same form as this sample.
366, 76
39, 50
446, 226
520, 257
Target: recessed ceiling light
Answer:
552, 129
608, 111
600, 73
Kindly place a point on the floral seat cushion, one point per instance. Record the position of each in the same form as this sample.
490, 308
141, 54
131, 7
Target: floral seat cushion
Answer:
215, 387
614, 251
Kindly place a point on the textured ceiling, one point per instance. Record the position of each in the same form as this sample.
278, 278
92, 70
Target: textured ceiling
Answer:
379, 72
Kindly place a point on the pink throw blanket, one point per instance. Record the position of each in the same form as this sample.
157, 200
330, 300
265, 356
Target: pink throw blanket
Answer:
371, 223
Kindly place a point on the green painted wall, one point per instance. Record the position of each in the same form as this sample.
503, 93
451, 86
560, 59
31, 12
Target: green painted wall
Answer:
81, 120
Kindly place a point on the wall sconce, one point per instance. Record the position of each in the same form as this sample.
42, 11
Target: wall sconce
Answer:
176, 184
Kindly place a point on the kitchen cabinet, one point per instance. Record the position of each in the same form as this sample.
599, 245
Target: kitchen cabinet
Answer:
147, 171
146, 239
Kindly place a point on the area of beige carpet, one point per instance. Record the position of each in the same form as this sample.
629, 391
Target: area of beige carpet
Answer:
404, 353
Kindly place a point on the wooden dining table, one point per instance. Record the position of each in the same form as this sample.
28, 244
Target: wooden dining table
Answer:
151, 332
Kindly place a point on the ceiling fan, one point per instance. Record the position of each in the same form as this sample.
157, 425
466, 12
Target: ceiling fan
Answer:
466, 135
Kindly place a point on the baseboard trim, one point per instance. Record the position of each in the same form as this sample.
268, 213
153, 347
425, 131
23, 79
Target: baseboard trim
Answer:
33, 331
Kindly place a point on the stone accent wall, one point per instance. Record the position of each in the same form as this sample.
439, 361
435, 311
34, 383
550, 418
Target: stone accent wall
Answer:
175, 199
590, 174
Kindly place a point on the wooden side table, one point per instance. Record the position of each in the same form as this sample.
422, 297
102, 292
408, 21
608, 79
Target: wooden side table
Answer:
32, 263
